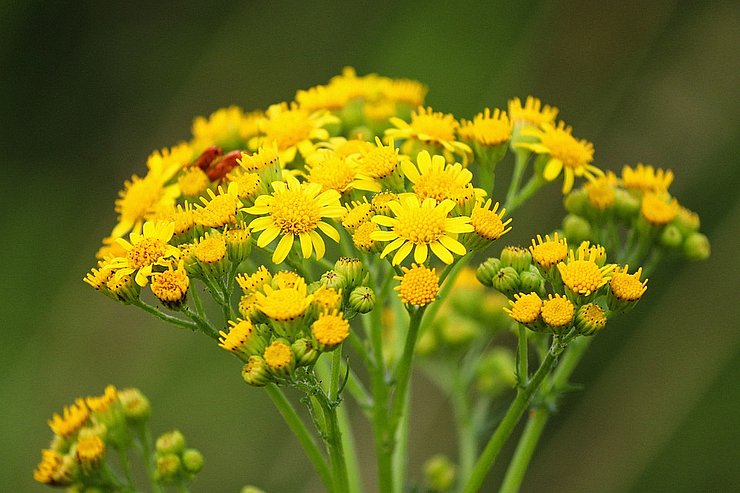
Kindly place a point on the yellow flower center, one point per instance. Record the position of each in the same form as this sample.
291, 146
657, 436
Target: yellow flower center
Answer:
264, 158
220, 210
210, 250
362, 239
380, 202
283, 304
288, 128
526, 308
90, 449
170, 286
487, 223
332, 173
627, 287
138, 198
101, 403
419, 285
327, 299
239, 333
433, 126
656, 210
294, 212
581, 276
421, 225
548, 252
71, 420
330, 329
563, 146
146, 252
593, 315
441, 184
248, 305
488, 129
254, 281
278, 355
600, 193
646, 178
248, 183
557, 311
193, 182
379, 162
357, 216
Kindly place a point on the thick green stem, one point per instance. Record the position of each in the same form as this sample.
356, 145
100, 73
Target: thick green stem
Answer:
294, 422
403, 370
467, 442
522, 159
522, 361
506, 427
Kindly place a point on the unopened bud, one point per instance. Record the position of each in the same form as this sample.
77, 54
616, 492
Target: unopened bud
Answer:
626, 205
333, 279
506, 281
576, 228
192, 461
590, 319
439, 473
576, 201
487, 270
671, 236
532, 281
168, 468
305, 352
255, 371
362, 299
352, 270
517, 257
496, 371
172, 442
696, 247
135, 405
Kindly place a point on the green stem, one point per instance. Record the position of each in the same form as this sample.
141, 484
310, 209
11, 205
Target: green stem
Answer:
467, 446
400, 452
403, 370
534, 184
184, 324
506, 427
334, 445
202, 324
522, 357
289, 414
522, 159
126, 466
145, 437
539, 417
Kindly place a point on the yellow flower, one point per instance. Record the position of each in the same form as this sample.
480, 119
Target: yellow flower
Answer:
279, 358
226, 127
488, 129
284, 304
419, 285
167, 162
408, 91
90, 450
330, 330
193, 181
378, 166
557, 311
295, 209
242, 338
525, 308
362, 238
221, 209
646, 178
627, 287
358, 213
101, 403
51, 469
329, 170
532, 114
293, 129
421, 226
255, 281
581, 274
71, 419
145, 251
566, 154
322, 97
600, 191
439, 180
659, 208
139, 201
346, 148
327, 299
487, 223
429, 127
549, 252
171, 285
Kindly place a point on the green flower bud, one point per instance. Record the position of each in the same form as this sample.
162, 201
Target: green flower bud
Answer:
333, 279
192, 460
506, 281
590, 319
626, 205
576, 202
496, 372
352, 270
517, 257
487, 270
696, 247
305, 352
439, 473
362, 299
576, 228
687, 221
135, 405
238, 243
671, 236
353, 114
168, 468
255, 371
172, 442
532, 281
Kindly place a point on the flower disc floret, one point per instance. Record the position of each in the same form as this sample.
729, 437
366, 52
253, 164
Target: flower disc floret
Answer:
379, 162
487, 223
646, 178
487, 128
71, 419
278, 356
525, 308
254, 281
557, 311
193, 181
171, 285
221, 209
533, 113
296, 209
330, 170
627, 287
363, 236
146, 250
284, 304
429, 127
549, 252
582, 275
90, 450
437, 179
418, 286
210, 250
659, 208
240, 334
358, 213
330, 329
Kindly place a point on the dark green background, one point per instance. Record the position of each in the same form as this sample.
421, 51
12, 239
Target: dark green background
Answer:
89, 89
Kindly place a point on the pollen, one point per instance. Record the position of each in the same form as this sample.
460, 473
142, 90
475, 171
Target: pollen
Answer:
284, 304
487, 223
659, 208
419, 285
549, 252
193, 181
525, 308
358, 213
210, 249
278, 356
330, 329
628, 287
71, 419
146, 252
379, 162
557, 311
295, 212
90, 450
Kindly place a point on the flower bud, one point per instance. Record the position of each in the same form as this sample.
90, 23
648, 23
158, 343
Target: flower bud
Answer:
305, 352
696, 247
255, 372
576, 201
687, 221
439, 473
506, 281
362, 299
172, 442
626, 205
238, 243
352, 270
518, 258
576, 228
167, 468
590, 319
532, 281
122, 288
192, 460
135, 405
671, 236
487, 270
333, 279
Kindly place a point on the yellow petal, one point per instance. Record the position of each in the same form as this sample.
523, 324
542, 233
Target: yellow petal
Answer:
552, 169
441, 252
283, 249
402, 253
318, 244
420, 253
306, 246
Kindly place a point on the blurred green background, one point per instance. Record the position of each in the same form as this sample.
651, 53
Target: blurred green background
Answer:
89, 89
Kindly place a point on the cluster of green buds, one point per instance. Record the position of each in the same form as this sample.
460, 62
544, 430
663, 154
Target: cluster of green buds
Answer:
634, 213
554, 289
88, 432
175, 463
286, 324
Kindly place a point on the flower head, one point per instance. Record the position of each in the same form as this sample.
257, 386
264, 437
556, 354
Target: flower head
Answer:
254, 281
421, 226
525, 308
646, 178
549, 252
193, 181
295, 209
90, 450
279, 358
242, 338
566, 154
437, 179
659, 208
429, 127
221, 209
139, 201
488, 223
330, 330
377, 166
582, 275
532, 114
284, 304
330, 170
487, 128
627, 287
226, 127
600, 192
146, 250
71, 419
419, 285
171, 285
557, 311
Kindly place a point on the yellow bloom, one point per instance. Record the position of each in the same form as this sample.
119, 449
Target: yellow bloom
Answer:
378, 166
90, 450
292, 129
429, 127
566, 154
279, 358
421, 226
557, 311
228, 128
439, 180
346, 148
659, 208
532, 114
362, 238
582, 275
284, 304
487, 223
408, 91
167, 162
331, 171
145, 251
51, 469
488, 129
254, 281
627, 287
139, 201
221, 209
322, 97
330, 330
71, 419
327, 299
549, 252
171, 285
646, 178
242, 338
193, 181
358, 213
600, 191
525, 308
295, 209
101, 403
419, 285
